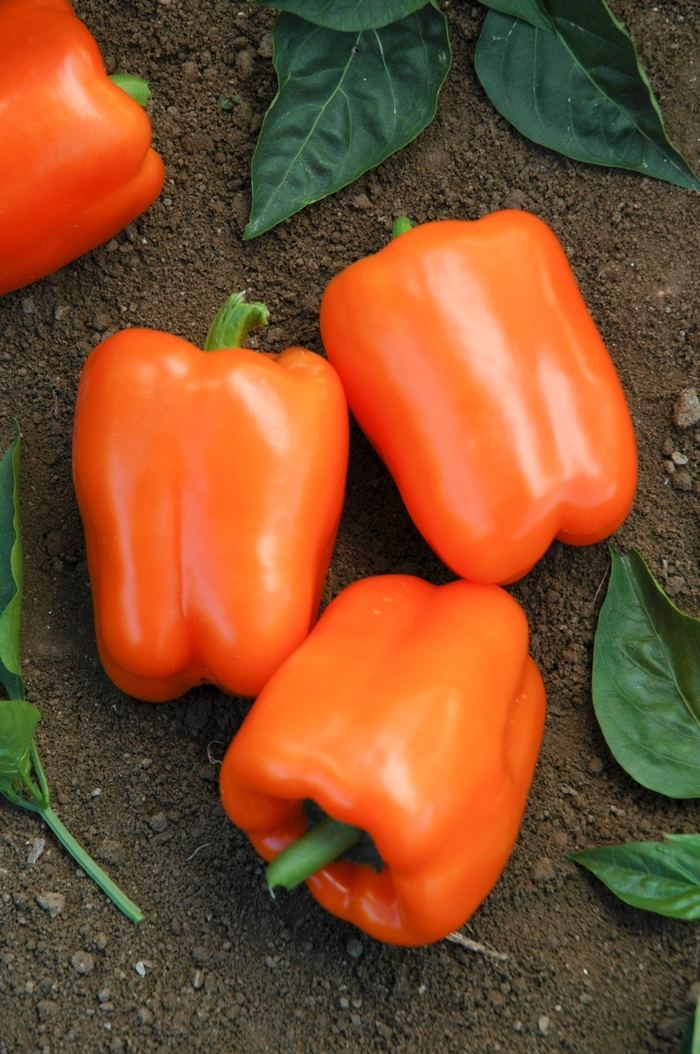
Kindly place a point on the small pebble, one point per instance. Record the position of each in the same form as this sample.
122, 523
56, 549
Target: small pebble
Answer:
543, 870
158, 823
111, 852
35, 852
543, 1025
54, 903
198, 979
266, 46
354, 948
686, 411
140, 969
145, 1017
682, 480
83, 963
46, 1009
678, 458
28, 306
674, 585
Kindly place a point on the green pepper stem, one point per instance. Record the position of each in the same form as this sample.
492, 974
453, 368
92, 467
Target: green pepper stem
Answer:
233, 321
316, 848
127, 906
401, 225
136, 87
42, 806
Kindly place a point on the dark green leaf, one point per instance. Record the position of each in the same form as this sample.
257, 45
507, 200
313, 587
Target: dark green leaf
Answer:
532, 11
347, 15
646, 681
18, 719
346, 101
10, 571
579, 90
663, 877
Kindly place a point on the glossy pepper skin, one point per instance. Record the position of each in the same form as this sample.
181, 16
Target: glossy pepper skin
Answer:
75, 159
210, 486
472, 364
414, 712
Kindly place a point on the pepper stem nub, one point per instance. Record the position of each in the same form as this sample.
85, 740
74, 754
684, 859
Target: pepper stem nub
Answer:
233, 321
136, 87
401, 225
317, 847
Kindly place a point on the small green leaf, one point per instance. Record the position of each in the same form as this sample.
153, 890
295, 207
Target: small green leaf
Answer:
10, 570
347, 15
18, 719
579, 90
346, 101
136, 87
532, 11
646, 681
663, 877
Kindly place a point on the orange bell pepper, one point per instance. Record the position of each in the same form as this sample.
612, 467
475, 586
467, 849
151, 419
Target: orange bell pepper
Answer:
75, 159
211, 486
413, 714
472, 364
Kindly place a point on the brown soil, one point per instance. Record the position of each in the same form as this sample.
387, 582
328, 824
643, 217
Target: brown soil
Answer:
223, 966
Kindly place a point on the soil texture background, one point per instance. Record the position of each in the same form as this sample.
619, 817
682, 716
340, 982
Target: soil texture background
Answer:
217, 965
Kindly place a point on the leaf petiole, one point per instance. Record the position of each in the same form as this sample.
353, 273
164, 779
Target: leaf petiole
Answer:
19, 757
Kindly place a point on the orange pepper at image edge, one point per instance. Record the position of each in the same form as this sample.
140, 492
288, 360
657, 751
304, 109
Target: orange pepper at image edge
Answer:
210, 484
76, 164
472, 364
412, 714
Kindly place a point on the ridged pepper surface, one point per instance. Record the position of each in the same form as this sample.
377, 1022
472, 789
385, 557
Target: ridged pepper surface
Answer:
472, 364
414, 713
76, 164
210, 486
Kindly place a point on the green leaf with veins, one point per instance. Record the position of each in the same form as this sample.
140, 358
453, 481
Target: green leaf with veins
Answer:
566, 74
346, 101
10, 570
646, 681
663, 877
347, 15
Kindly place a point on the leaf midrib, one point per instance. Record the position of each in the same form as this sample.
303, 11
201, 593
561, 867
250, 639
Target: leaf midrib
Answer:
670, 151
